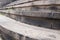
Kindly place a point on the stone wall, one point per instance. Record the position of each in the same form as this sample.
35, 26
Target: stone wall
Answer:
35, 13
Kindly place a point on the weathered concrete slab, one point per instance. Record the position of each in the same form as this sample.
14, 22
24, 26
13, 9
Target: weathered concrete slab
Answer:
29, 12
19, 2
29, 30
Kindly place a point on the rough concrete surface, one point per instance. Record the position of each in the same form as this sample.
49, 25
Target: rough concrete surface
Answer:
28, 30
